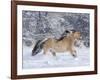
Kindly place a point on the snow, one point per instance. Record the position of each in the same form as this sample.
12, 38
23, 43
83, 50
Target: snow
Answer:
60, 60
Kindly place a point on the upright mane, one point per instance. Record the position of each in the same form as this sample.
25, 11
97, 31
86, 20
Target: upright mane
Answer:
66, 32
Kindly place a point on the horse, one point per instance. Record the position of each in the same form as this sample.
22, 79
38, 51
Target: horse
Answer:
63, 44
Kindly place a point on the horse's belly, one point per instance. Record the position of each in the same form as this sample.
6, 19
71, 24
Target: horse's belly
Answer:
60, 48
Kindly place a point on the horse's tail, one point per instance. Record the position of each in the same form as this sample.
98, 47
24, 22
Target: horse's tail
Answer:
38, 47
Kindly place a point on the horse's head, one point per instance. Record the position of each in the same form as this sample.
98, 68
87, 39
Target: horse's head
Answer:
77, 35
72, 33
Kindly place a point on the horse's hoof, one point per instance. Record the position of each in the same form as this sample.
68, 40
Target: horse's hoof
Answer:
74, 55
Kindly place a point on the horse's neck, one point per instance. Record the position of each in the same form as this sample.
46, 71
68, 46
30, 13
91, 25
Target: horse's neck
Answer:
72, 36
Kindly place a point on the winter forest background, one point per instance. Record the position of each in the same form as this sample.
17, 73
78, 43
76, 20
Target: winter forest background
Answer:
39, 24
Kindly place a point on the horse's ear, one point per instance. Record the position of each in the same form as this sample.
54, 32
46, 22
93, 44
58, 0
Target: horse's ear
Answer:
67, 31
73, 31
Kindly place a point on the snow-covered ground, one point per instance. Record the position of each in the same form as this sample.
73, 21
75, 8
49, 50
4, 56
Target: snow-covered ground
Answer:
61, 60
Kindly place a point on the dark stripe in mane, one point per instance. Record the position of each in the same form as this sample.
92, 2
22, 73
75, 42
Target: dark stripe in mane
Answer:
61, 38
63, 35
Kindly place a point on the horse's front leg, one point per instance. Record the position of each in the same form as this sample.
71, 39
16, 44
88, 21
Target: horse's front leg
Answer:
73, 52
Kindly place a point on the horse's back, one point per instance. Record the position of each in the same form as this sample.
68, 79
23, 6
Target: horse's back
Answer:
49, 43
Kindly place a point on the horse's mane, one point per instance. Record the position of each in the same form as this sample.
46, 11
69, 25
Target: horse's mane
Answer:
66, 32
63, 35
61, 38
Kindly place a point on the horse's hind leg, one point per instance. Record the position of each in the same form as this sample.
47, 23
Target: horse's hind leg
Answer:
53, 52
45, 50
